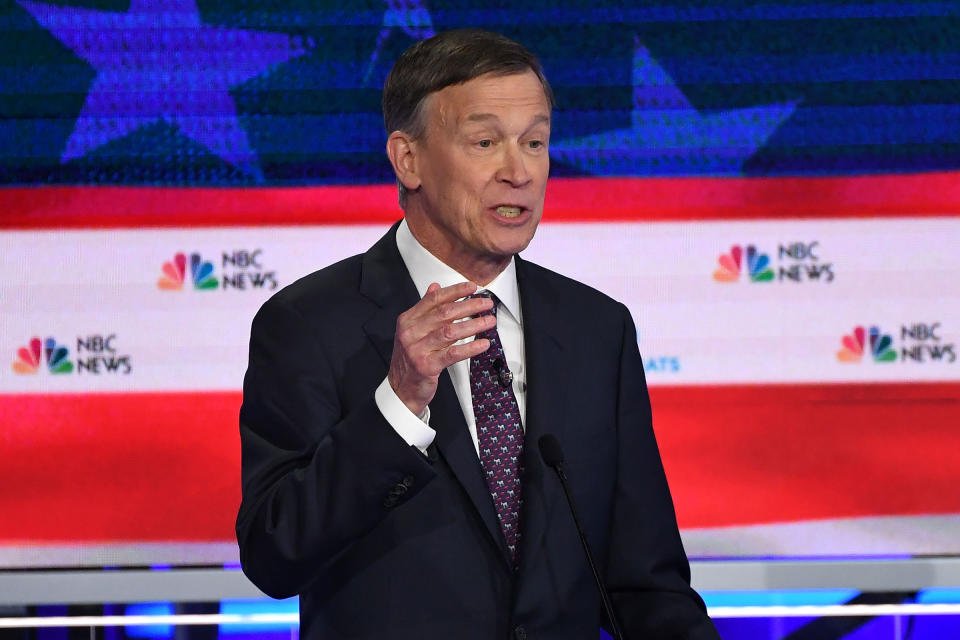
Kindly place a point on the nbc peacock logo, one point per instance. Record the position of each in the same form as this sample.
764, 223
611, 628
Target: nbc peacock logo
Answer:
38, 352
175, 271
731, 264
854, 345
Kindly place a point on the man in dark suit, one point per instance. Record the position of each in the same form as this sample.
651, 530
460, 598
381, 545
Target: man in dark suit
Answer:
393, 401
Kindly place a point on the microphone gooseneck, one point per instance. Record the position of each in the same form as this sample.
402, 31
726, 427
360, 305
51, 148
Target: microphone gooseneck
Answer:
552, 454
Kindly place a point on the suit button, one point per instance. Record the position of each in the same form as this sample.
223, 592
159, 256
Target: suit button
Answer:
390, 501
519, 632
398, 489
408, 481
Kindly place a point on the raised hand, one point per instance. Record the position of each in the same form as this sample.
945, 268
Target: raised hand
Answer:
425, 342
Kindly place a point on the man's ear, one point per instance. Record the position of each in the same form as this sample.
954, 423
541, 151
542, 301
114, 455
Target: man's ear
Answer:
402, 151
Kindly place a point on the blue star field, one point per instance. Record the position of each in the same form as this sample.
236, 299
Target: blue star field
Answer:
193, 92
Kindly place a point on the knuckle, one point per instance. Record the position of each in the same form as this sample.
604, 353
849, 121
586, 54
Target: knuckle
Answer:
446, 311
453, 354
448, 332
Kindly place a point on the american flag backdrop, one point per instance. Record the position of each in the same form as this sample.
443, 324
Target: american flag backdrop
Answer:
773, 188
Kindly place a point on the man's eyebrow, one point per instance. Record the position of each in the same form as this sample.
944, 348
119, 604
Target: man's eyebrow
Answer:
484, 117
481, 117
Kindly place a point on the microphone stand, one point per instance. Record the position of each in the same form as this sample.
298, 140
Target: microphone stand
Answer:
604, 596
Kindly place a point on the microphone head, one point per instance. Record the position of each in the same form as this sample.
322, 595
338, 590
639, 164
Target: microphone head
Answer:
550, 450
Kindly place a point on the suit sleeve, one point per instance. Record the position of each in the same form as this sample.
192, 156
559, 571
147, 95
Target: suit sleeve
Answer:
314, 479
647, 569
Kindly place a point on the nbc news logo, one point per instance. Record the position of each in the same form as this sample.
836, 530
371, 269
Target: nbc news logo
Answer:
921, 342
796, 262
240, 269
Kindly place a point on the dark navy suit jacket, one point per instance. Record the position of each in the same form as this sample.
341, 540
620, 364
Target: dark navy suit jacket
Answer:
383, 542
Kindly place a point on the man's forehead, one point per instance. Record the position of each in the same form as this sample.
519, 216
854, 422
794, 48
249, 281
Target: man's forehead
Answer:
490, 97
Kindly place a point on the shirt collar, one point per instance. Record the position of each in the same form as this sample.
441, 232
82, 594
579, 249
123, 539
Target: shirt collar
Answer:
425, 268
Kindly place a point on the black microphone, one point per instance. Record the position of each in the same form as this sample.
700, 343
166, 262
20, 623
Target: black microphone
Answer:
504, 375
552, 455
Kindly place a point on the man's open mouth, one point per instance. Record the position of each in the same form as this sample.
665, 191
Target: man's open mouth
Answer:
509, 211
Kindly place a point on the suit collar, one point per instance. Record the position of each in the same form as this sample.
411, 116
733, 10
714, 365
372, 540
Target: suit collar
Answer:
383, 278
425, 268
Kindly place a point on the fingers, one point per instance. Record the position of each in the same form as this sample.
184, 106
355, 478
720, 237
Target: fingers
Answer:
443, 348
437, 295
440, 359
418, 339
451, 293
428, 336
439, 307
459, 352
445, 298
447, 334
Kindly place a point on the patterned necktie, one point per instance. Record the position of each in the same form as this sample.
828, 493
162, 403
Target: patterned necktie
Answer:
499, 432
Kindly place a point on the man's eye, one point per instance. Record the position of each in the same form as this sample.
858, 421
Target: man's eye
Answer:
485, 144
536, 144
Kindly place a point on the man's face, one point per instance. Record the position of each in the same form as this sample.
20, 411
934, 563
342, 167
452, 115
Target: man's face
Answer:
482, 167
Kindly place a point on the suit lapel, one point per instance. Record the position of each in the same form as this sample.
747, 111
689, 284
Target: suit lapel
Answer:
456, 446
547, 389
384, 280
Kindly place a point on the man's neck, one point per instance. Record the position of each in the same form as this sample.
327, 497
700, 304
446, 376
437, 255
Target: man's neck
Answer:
479, 269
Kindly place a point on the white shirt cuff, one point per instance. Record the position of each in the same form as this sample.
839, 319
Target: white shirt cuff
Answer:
414, 429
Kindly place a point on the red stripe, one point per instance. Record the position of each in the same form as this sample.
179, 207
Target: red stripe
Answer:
780, 453
165, 466
568, 200
119, 467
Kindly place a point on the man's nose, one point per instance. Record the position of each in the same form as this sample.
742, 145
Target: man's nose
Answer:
513, 169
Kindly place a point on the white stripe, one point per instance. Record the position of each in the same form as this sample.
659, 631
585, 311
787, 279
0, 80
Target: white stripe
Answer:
836, 610
803, 611
892, 273
139, 621
861, 537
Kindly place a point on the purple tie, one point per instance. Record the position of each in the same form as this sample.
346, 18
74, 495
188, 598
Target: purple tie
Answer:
499, 431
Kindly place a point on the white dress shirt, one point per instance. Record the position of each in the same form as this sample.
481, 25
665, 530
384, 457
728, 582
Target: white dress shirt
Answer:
424, 269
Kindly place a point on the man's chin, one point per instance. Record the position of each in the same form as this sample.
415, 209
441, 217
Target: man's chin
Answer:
507, 247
